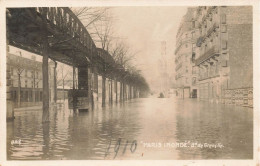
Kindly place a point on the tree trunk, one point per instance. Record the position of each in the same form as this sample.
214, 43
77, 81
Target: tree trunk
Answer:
124, 98
55, 83
63, 90
112, 91
103, 90
121, 91
19, 90
33, 89
116, 90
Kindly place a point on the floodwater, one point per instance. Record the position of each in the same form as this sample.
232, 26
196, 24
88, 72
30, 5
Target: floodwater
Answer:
145, 128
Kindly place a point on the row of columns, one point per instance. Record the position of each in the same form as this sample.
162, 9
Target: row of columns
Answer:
117, 91
112, 90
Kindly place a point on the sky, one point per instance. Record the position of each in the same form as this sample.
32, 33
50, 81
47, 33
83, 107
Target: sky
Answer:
144, 28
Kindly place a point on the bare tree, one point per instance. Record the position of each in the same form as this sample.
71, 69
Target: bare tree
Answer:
123, 55
98, 21
103, 34
61, 78
90, 15
20, 68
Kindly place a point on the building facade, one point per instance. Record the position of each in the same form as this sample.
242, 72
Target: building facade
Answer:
224, 54
218, 40
185, 69
26, 75
163, 71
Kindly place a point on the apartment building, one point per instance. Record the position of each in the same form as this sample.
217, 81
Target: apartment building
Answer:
26, 74
185, 68
224, 54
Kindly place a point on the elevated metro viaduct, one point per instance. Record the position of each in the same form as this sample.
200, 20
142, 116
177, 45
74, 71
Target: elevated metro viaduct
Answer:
56, 33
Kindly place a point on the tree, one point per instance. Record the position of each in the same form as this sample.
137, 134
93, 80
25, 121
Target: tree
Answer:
65, 76
90, 15
98, 21
123, 55
35, 68
20, 68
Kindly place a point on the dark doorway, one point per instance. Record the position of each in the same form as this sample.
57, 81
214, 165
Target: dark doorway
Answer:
194, 93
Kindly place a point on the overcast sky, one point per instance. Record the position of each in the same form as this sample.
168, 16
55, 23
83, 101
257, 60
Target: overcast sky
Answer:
144, 28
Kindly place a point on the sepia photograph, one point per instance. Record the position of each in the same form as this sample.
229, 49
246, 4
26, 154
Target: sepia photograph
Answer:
129, 83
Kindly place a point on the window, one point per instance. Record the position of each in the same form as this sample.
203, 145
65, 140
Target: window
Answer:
25, 82
217, 68
25, 72
193, 47
194, 80
37, 74
223, 19
224, 28
11, 71
193, 56
210, 17
192, 34
224, 63
186, 45
32, 83
224, 45
37, 85
193, 70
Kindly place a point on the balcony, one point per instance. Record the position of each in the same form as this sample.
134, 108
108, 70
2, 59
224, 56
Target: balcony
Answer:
213, 28
201, 39
210, 53
184, 41
207, 76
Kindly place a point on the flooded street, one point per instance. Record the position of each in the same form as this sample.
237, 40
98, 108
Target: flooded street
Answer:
144, 128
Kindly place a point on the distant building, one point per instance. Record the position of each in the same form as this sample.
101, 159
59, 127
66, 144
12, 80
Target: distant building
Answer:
185, 69
164, 79
29, 71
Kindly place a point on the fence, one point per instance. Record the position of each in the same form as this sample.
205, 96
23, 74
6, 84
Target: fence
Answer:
242, 97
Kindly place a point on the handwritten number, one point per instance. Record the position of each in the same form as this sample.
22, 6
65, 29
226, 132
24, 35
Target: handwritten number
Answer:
125, 146
107, 151
133, 146
117, 147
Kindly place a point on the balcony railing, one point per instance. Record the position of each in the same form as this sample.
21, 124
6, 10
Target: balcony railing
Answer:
201, 39
185, 40
210, 53
213, 28
178, 67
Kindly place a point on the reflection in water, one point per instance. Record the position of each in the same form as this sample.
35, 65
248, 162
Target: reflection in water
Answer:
87, 135
231, 126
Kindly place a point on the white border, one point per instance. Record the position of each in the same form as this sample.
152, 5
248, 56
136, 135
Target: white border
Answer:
74, 3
